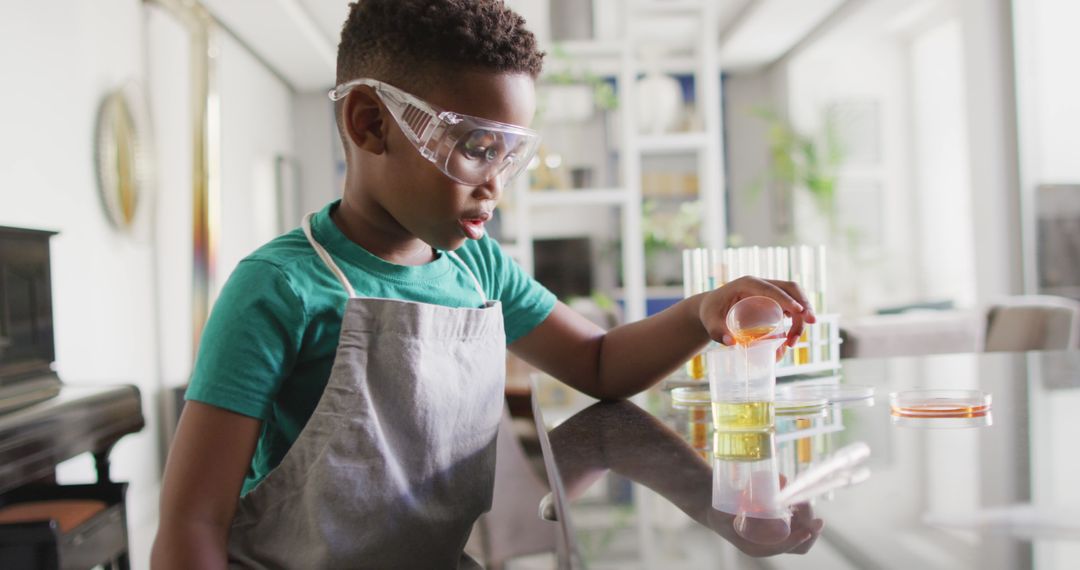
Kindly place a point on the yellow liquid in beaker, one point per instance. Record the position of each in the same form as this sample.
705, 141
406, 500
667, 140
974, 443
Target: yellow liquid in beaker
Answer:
742, 445
737, 416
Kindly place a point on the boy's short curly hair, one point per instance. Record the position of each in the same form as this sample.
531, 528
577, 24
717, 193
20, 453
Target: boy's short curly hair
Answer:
415, 43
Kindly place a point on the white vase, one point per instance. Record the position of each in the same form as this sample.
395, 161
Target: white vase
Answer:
659, 103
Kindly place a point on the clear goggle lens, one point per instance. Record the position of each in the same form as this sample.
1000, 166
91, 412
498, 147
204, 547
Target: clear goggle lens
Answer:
481, 154
470, 150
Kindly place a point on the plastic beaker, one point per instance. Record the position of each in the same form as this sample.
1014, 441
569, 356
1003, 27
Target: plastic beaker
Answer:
754, 318
742, 385
746, 483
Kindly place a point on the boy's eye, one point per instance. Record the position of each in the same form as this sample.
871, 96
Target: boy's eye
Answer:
482, 145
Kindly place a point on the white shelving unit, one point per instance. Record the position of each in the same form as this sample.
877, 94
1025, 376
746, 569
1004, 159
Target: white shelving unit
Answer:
623, 60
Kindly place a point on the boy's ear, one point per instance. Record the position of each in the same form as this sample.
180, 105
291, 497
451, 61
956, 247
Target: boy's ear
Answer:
365, 121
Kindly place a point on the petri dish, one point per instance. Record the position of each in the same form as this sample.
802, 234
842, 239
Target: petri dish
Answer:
960, 422
940, 403
799, 406
829, 392
691, 396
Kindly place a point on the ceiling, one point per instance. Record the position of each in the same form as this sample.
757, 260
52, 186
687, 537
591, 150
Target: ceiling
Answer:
298, 38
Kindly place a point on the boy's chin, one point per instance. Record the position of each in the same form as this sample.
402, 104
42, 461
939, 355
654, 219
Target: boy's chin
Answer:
447, 243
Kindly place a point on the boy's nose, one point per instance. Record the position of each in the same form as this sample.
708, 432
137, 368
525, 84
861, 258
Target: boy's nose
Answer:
490, 190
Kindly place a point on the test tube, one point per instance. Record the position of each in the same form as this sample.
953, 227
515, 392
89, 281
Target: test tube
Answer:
804, 445
769, 271
699, 425
687, 273
820, 280
782, 263
716, 263
824, 330
754, 254
744, 261
731, 261
695, 281
802, 265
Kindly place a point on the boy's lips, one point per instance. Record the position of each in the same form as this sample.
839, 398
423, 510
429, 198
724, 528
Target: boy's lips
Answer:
472, 224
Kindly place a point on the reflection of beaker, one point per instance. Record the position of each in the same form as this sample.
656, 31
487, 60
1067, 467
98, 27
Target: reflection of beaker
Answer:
742, 383
746, 483
691, 406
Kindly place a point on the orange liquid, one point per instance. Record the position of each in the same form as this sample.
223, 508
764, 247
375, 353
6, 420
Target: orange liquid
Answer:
748, 336
695, 368
932, 410
699, 429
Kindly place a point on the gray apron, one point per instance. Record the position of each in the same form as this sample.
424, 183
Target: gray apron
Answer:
398, 459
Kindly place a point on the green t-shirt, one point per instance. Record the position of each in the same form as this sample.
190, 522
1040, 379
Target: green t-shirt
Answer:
270, 341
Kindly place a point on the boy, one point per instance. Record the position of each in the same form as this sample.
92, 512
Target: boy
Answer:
346, 396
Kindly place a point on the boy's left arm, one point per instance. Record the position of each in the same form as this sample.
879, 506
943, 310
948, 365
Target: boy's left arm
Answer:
634, 356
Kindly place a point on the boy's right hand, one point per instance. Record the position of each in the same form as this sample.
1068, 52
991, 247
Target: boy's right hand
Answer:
716, 304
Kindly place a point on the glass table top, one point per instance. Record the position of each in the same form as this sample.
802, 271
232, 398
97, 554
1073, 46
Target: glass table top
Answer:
636, 479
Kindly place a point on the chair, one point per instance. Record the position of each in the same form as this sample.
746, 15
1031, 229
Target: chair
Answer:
1033, 322
49, 527
913, 334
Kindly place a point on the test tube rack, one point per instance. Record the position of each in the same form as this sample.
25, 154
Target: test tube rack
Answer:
817, 350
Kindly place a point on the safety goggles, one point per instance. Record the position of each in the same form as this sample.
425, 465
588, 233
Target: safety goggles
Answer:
468, 149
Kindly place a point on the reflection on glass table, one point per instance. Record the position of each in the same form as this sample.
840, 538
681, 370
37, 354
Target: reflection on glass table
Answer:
611, 436
639, 476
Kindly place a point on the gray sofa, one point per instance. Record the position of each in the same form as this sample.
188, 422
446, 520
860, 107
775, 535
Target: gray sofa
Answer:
1025, 322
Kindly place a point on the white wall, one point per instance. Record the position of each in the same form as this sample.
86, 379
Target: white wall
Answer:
168, 86
755, 216
256, 126
991, 116
59, 59
1048, 89
858, 64
952, 231
318, 149
942, 184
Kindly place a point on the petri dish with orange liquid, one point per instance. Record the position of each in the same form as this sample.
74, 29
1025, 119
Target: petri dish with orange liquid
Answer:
940, 403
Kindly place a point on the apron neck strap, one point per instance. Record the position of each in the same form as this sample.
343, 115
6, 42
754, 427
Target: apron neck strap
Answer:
325, 256
329, 261
476, 282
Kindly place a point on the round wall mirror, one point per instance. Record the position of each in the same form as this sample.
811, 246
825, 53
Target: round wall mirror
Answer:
120, 158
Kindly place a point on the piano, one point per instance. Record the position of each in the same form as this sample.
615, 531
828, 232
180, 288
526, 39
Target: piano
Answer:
44, 422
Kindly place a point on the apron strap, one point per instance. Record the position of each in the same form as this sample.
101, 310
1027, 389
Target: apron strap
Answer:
329, 261
325, 256
476, 282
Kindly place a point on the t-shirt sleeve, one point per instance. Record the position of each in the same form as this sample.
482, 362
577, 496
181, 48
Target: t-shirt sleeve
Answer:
250, 341
525, 302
